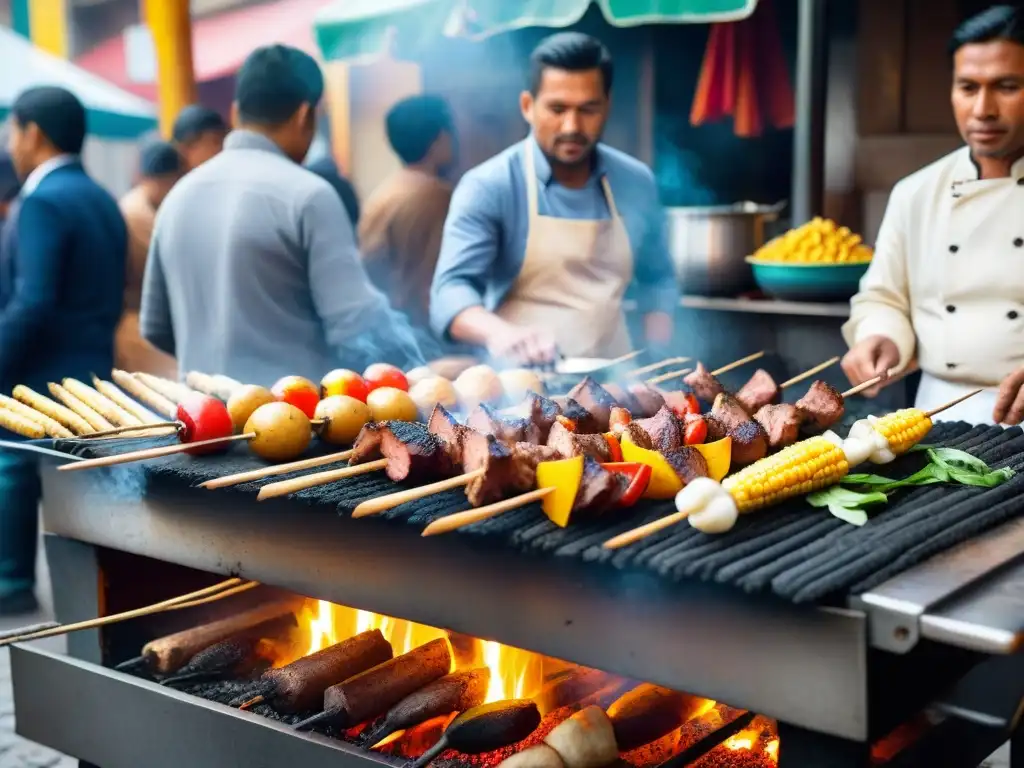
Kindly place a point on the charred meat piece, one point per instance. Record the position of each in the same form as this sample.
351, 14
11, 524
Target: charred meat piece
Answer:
780, 422
543, 412
761, 390
595, 399
486, 419
637, 435
704, 385
667, 431
443, 425
716, 429
687, 462
570, 444
599, 491
413, 453
749, 440
822, 406
622, 397
728, 411
507, 472
648, 400
585, 422
367, 445
534, 454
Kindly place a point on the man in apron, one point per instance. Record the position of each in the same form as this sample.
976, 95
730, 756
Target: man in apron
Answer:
946, 289
542, 241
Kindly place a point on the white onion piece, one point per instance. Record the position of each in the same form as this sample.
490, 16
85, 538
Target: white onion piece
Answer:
718, 516
833, 438
882, 456
695, 495
857, 450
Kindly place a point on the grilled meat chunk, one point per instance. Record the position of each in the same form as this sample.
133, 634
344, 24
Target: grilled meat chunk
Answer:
622, 397
716, 429
595, 399
704, 385
534, 454
507, 472
599, 490
585, 422
570, 444
780, 422
637, 435
648, 400
444, 425
687, 462
542, 411
667, 431
413, 453
486, 419
759, 391
367, 444
822, 406
728, 411
749, 440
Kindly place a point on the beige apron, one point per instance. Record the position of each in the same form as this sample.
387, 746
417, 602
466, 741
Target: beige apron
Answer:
573, 277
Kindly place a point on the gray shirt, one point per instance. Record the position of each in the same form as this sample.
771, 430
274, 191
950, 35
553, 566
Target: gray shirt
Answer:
253, 273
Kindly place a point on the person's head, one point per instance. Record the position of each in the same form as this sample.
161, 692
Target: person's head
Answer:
569, 96
9, 185
46, 121
160, 167
988, 82
277, 92
199, 134
421, 132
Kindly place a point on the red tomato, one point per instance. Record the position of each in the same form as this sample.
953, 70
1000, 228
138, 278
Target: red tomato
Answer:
204, 418
681, 403
383, 375
298, 391
344, 382
696, 431
613, 446
639, 478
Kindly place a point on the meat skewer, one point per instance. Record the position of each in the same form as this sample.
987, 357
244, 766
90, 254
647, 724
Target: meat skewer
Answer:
373, 692
300, 686
702, 371
638, 372
485, 729
278, 469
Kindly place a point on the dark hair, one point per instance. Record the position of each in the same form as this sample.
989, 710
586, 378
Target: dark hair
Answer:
9, 185
414, 124
195, 120
58, 113
274, 81
1000, 22
572, 52
326, 169
159, 158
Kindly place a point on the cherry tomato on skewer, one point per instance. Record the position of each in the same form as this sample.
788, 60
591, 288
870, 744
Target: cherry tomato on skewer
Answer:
342, 381
384, 375
204, 417
298, 391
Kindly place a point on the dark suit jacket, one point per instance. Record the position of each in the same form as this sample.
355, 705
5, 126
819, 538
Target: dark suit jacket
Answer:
62, 273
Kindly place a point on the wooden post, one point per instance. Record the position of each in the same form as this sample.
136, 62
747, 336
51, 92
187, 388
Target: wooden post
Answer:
170, 24
48, 26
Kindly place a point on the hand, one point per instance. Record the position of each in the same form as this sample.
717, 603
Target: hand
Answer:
525, 346
1010, 402
658, 328
870, 358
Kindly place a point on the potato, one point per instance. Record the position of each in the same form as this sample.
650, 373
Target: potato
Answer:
282, 432
585, 740
479, 384
344, 415
245, 400
390, 404
518, 381
416, 375
429, 392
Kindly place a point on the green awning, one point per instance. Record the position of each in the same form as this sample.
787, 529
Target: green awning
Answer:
348, 29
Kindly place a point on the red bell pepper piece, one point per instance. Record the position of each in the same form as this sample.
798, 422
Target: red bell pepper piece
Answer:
566, 422
618, 419
614, 448
639, 477
696, 430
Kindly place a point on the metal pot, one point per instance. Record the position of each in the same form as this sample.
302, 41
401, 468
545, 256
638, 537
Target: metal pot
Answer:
709, 245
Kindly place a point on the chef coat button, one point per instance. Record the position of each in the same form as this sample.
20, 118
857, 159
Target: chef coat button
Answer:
954, 248
1013, 314
1018, 241
951, 366
950, 308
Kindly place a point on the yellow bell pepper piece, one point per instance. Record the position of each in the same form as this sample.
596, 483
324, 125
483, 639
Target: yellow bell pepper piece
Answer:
565, 476
665, 483
718, 455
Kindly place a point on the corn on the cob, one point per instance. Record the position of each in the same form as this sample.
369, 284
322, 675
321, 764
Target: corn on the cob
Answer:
903, 429
801, 468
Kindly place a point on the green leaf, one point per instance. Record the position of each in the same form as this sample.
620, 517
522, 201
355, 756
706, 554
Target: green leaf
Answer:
952, 458
845, 504
850, 515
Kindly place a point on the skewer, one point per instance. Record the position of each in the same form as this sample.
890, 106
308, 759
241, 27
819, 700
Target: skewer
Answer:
951, 403
716, 372
285, 487
660, 364
470, 516
217, 596
159, 425
809, 372
278, 469
392, 500
667, 376
155, 453
102, 621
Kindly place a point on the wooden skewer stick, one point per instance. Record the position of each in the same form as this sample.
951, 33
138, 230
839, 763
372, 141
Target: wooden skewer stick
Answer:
867, 384
285, 487
635, 534
666, 376
951, 403
278, 469
154, 453
621, 359
809, 372
218, 596
660, 364
470, 516
160, 425
102, 621
738, 363
392, 500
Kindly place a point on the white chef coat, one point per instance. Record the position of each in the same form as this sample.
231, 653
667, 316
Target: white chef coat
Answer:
947, 281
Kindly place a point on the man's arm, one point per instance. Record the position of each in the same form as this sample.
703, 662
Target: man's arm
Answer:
356, 317
658, 288
40, 244
155, 324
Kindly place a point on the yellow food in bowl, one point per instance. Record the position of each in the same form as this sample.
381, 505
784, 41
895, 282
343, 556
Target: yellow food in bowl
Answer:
819, 241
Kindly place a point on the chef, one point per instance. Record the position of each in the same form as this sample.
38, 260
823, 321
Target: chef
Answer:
946, 288
542, 241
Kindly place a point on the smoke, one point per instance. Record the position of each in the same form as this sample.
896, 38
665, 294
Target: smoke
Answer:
388, 337
678, 170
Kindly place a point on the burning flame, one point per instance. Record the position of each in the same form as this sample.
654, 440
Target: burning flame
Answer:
514, 673
762, 735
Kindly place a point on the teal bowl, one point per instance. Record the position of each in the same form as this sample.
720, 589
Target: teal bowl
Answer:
807, 282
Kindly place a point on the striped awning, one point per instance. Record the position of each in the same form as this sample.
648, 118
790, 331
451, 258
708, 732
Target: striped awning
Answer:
349, 29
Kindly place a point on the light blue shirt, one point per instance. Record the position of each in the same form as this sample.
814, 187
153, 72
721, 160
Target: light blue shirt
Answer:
484, 241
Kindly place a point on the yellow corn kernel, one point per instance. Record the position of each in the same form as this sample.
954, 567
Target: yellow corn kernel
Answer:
903, 429
803, 467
